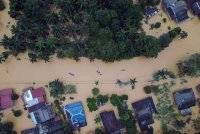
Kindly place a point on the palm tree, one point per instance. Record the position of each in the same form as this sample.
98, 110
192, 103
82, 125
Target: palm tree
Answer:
133, 82
51, 43
70, 30
51, 18
183, 34
81, 3
40, 44
57, 31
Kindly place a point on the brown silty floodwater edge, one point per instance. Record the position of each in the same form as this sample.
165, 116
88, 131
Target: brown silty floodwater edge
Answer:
19, 74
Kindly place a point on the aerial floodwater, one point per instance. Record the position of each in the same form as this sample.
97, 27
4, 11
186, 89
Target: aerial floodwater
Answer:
19, 73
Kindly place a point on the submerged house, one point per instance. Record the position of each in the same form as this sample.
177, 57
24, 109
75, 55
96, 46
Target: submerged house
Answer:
6, 98
151, 12
43, 114
111, 124
185, 99
194, 5
31, 96
53, 126
177, 10
144, 110
76, 115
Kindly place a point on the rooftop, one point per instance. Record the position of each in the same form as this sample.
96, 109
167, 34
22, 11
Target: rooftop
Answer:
177, 10
43, 114
143, 111
111, 123
76, 115
6, 98
30, 131
151, 12
33, 96
53, 126
196, 8
184, 99
36, 107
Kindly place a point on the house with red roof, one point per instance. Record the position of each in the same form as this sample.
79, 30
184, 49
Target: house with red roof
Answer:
31, 96
6, 98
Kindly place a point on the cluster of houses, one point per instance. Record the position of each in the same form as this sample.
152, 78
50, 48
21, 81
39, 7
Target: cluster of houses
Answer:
144, 110
47, 122
177, 9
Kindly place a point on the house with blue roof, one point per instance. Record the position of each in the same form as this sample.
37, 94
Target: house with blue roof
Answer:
75, 115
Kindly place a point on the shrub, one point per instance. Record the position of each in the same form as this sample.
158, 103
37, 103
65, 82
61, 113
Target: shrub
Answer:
183, 35
174, 32
157, 25
179, 124
177, 30
7, 126
114, 99
92, 104
15, 96
198, 88
99, 131
28, 116
147, 89
97, 119
124, 97
16, 113
95, 91
164, 20
2, 5
63, 98
102, 98
196, 123
96, 83
71, 89
198, 102
152, 26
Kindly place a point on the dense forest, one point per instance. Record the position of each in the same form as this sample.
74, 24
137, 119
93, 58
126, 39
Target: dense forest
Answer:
104, 29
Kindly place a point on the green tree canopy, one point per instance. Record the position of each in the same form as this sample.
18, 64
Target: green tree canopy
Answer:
109, 30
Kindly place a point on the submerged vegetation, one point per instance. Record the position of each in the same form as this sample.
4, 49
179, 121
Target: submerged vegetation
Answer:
58, 89
190, 67
7, 128
97, 100
109, 30
125, 113
151, 89
131, 82
163, 74
2, 5
166, 112
61, 113
99, 131
148, 3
